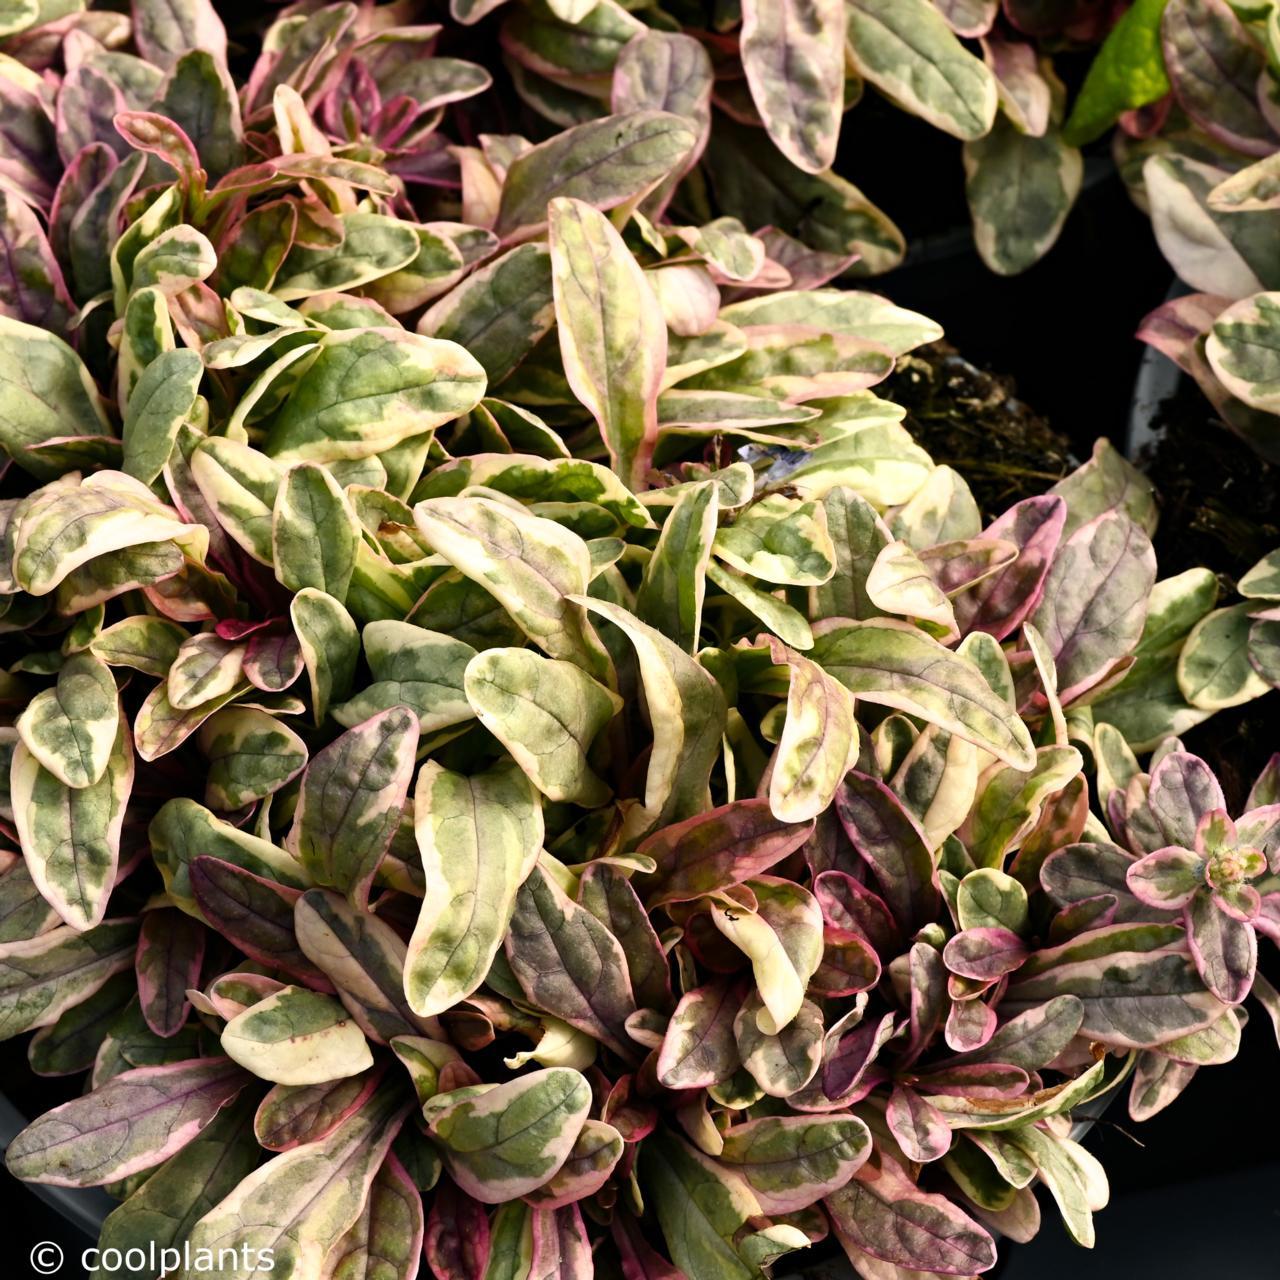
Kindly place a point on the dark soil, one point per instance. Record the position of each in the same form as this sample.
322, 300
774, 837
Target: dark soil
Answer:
972, 420
1219, 507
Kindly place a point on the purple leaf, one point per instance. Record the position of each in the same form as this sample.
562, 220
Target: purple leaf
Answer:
920, 1129
456, 1244
170, 954
883, 1213
256, 914
1182, 790
717, 850
984, 954
569, 964
1094, 601
1001, 603
699, 1048
887, 836
293, 1114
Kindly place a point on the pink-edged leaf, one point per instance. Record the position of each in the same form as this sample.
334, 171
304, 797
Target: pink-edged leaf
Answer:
456, 1243
1182, 790
1259, 828
170, 954
717, 850
847, 903
984, 954
1175, 327
849, 964
1094, 601
569, 964
595, 1154
256, 914
1167, 878
976, 1080
970, 1025
1225, 950
1030, 1040
854, 1055
919, 1128
883, 1213
927, 993
699, 1048
1001, 603
364, 958
890, 840
293, 1114
1214, 65
273, 661
1157, 1081
791, 1162
386, 1240
32, 288
793, 57
133, 1122
561, 1248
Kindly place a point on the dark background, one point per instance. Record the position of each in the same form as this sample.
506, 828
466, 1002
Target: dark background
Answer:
1196, 1190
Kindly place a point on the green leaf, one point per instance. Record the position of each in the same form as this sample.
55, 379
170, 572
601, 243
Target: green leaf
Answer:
613, 339
1020, 189
314, 532
44, 387
1214, 670
701, 1208
671, 592
479, 838
42, 977
894, 665
415, 668
70, 837
297, 1036
251, 754
791, 1162
71, 729
906, 49
372, 246
368, 390
532, 566
547, 714
687, 713
605, 162
514, 1137
1127, 72
330, 647
350, 802
500, 312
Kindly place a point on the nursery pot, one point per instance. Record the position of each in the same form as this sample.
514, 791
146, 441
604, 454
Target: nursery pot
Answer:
67, 1217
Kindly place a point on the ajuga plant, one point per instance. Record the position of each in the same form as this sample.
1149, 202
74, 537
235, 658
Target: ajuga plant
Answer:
514, 757
1195, 85
770, 83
